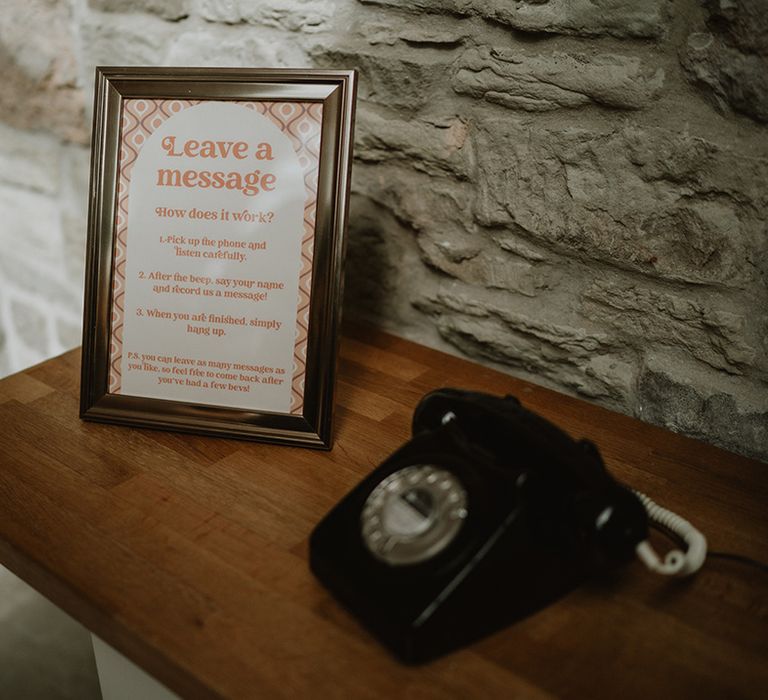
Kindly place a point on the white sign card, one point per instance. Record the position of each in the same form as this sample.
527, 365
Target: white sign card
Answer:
217, 201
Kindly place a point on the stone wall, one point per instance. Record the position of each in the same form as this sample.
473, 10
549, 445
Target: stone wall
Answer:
574, 191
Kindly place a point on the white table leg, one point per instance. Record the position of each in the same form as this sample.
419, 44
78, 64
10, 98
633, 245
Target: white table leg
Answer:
121, 679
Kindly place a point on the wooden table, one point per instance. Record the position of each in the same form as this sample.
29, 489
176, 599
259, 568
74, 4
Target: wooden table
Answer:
189, 554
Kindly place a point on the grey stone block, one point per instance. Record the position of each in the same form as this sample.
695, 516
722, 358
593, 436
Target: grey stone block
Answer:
573, 357
709, 330
729, 76
728, 57
38, 61
167, 9
124, 39
734, 416
382, 258
742, 23
434, 147
229, 46
620, 18
31, 326
29, 159
401, 80
544, 82
590, 193
291, 15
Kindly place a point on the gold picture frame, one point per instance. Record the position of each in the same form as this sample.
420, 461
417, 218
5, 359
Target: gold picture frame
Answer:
145, 363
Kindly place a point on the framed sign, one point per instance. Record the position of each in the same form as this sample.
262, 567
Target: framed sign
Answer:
218, 207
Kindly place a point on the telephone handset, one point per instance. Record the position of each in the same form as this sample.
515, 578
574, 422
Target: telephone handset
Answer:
488, 514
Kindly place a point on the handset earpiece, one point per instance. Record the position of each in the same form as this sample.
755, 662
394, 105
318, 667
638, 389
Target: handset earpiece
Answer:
570, 480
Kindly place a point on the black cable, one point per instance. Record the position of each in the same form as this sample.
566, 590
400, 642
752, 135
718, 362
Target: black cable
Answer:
739, 558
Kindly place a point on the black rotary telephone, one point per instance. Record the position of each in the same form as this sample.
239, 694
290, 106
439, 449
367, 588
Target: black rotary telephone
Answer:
488, 514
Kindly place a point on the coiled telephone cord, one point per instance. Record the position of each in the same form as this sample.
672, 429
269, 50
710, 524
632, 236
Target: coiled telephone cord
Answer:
675, 562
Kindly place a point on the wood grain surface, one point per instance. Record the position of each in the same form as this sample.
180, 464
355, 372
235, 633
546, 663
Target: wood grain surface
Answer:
189, 554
